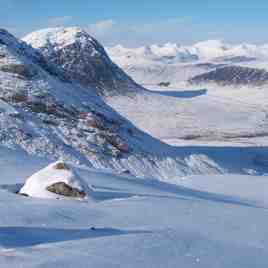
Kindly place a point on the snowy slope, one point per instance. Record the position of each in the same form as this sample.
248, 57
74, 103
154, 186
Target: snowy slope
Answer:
83, 59
205, 224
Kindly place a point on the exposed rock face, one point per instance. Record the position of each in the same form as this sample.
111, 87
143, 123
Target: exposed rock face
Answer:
233, 75
164, 84
19, 69
64, 189
82, 58
19, 96
61, 166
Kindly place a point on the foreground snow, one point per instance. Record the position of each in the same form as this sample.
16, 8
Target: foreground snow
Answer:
205, 222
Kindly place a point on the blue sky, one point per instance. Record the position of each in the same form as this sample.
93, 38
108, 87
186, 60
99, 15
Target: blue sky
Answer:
138, 22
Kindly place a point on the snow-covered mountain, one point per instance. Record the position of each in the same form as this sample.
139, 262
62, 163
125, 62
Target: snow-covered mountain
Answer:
175, 64
83, 59
46, 114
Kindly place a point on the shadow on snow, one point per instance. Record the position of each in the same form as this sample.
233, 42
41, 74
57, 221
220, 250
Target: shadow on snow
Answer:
184, 94
14, 237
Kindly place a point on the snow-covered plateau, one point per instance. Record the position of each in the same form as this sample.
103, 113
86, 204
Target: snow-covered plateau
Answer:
97, 171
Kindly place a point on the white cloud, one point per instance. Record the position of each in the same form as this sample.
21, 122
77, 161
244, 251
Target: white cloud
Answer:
182, 30
59, 21
101, 27
162, 26
112, 32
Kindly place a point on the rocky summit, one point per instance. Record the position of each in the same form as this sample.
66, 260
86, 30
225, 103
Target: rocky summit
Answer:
83, 59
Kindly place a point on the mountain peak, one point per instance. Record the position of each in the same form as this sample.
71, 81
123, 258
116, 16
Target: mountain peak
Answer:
61, 36
83, 59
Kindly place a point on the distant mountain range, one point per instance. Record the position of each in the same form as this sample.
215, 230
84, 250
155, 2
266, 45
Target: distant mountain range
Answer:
214, 50
172, 63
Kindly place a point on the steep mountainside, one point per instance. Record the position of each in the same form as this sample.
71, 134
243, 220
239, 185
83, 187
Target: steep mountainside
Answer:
83, 59
45, 114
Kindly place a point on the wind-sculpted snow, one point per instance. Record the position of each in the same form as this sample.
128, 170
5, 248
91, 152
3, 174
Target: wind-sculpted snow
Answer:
83, 59
211, 221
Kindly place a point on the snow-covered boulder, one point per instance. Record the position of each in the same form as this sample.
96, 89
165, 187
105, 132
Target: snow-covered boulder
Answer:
58, 180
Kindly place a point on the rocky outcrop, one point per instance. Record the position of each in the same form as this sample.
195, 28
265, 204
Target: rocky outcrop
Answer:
21, 70
61, 188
